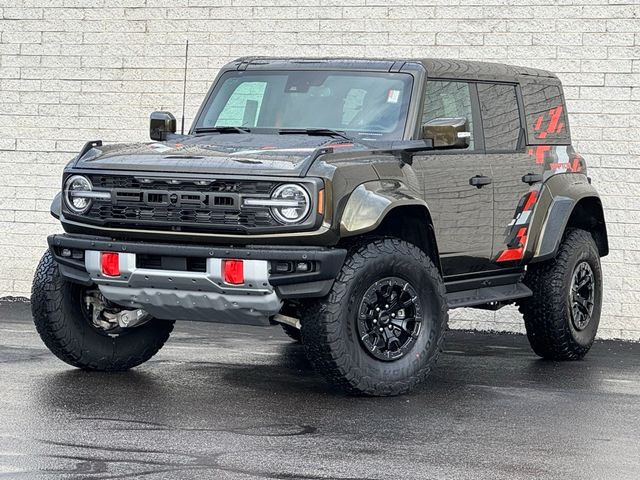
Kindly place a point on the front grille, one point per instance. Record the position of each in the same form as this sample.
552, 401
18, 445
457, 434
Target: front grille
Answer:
181, 205
249, 187
111, 213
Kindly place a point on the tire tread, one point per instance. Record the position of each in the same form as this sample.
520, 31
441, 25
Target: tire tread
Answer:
51, 322
544, 313
321, 326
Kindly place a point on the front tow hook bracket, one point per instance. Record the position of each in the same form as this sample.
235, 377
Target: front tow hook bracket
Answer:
294, 322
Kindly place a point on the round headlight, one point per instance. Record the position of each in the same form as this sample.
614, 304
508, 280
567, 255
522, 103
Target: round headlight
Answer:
294, 203
73, 190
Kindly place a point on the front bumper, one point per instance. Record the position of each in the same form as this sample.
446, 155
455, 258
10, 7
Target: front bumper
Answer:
171, 287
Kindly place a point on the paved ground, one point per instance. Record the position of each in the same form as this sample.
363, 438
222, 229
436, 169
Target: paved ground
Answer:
243, 403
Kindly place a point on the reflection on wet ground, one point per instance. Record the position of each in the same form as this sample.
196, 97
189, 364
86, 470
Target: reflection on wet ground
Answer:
227, 402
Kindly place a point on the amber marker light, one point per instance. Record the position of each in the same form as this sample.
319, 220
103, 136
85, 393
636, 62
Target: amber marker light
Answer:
321, 202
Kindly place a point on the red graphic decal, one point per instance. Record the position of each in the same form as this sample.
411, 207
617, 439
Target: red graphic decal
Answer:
555, 117
515, 253
576, 165
538, 123
533, 196
555, 125
540, 152
573, 165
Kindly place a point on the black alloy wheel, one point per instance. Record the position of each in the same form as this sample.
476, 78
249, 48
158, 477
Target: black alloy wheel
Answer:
582, 295
389, 318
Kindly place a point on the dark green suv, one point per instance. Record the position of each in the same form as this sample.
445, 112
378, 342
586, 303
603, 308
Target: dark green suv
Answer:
351, 201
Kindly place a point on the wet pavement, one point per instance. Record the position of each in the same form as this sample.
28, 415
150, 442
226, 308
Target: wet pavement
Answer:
228, 402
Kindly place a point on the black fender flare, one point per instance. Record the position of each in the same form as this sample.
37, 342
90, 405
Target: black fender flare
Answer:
56, 205
567, 198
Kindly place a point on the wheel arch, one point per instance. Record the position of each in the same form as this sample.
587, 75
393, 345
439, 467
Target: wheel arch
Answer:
588, 214
581, 211
388, 209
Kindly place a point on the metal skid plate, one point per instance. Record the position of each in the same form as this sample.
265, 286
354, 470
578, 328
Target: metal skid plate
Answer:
185, 295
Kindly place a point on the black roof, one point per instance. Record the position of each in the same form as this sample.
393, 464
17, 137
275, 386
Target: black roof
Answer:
435, 67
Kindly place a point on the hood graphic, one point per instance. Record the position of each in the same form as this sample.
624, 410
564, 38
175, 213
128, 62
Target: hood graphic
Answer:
259, 154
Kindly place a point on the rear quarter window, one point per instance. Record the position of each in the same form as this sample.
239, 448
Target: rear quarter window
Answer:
545, 113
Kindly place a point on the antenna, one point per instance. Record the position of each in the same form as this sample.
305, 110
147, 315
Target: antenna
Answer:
184, 85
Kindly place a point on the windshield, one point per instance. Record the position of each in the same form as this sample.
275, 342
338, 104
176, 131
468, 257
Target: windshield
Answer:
363, 104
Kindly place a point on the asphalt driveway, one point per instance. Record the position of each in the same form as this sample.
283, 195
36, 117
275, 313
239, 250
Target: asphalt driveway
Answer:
243, 402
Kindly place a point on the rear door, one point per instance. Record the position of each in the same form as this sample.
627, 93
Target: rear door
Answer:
512, 166
462, 214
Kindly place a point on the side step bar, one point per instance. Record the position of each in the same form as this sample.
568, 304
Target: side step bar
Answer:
492, 297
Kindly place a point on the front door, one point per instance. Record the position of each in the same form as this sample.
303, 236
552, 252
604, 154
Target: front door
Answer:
462, 213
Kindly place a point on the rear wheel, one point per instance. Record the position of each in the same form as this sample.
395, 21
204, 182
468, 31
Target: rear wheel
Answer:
78, 325
562, 316
380, 329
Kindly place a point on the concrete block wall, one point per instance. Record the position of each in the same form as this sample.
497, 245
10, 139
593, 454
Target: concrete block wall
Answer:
78, 70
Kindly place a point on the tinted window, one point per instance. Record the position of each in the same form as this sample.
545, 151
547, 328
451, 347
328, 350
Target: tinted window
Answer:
500, 116
448, 100
545, 113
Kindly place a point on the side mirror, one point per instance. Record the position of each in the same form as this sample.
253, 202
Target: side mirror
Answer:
447, 132
161, 124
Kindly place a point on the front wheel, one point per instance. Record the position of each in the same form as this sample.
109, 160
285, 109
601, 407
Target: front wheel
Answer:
63, 313
380, 329
562, 316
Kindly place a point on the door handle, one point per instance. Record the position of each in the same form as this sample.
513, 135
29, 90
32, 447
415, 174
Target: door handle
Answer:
480, 181
532, 178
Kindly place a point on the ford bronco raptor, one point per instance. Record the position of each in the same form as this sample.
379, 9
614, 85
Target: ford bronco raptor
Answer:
352, 201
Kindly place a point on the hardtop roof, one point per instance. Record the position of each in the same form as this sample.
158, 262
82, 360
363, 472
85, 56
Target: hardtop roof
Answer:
435, 67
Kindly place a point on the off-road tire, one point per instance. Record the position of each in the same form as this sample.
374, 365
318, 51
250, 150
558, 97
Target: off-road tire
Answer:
329, 332
56, 305
292, 332
547, 316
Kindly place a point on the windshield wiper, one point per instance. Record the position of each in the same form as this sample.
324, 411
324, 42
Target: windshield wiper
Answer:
222, 130
326, 132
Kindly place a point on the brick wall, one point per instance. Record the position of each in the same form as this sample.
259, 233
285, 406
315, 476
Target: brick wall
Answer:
73, 70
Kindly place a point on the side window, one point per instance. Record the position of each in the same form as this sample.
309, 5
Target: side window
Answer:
500, 116
243, 106
448, 100
545, 113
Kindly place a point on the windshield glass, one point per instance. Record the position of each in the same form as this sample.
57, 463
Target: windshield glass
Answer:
363, 104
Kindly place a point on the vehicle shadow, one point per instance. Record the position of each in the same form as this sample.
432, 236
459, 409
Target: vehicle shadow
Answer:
287, 378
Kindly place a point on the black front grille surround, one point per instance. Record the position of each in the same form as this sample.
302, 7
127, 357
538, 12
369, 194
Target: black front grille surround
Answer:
190, 204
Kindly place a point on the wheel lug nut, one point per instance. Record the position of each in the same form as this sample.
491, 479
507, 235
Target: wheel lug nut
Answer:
390, 327
381, 329
377, 309
375, 321
386, 306
393, 315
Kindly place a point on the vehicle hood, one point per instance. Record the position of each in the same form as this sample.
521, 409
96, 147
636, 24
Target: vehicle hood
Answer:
258, 154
